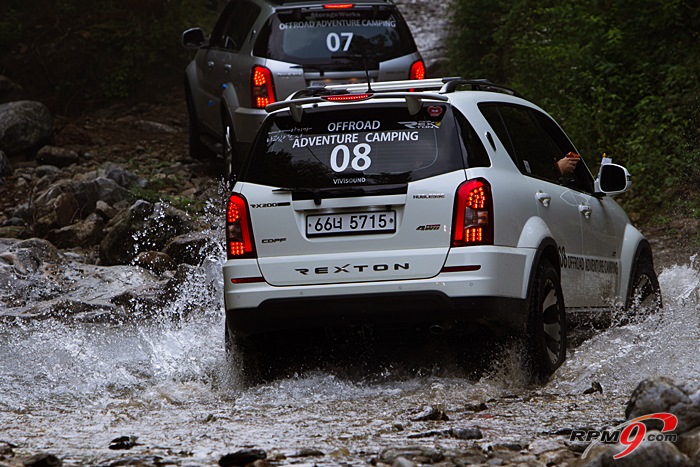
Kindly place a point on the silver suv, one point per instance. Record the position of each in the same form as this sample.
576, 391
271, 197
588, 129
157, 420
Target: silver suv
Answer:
261, 51
438, 208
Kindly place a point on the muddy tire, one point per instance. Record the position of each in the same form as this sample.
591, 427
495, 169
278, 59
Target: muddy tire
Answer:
545, 338
644, 293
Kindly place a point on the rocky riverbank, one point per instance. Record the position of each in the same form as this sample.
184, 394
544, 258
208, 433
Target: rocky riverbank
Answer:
113, 197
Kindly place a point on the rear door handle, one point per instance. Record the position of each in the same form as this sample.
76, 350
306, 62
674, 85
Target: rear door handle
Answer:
585, 210
544, 198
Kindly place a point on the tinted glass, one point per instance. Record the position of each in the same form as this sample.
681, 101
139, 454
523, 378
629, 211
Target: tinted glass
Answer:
336, 36
235, 23
535, 143
357, 146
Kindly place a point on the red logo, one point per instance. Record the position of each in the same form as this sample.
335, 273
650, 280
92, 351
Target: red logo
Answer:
435, 110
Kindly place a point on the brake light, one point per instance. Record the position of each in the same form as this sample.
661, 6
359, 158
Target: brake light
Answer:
338, 6
262, 89
239, 235
473, 222
347, 97
417, 70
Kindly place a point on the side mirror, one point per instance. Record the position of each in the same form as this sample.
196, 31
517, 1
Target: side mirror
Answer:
613, 179
194, 38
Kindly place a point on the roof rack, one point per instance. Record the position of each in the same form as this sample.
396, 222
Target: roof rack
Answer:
452, 84
405, 89
443, 85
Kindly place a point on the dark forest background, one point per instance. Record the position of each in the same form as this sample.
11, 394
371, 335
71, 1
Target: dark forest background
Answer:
621, 76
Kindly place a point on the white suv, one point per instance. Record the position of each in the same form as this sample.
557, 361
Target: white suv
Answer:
424, 203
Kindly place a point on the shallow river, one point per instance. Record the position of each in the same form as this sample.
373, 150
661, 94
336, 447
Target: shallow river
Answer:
70, 388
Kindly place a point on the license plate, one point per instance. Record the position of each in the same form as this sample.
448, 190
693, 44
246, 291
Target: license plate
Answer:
351, 223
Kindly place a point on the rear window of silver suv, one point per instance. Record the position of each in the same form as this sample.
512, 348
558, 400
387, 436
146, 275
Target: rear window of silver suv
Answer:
331, 35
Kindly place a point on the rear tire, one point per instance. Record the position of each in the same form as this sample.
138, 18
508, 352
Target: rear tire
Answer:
546, 328
243, 355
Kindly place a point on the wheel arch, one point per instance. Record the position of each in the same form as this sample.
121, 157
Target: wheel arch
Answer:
536, 235
634, 246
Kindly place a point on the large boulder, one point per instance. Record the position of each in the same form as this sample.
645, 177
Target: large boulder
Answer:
143, 227
24, 125
69, 201
662, 394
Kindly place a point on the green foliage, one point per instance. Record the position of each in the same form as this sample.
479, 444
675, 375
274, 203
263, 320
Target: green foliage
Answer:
621, 77
72, 53
10, 28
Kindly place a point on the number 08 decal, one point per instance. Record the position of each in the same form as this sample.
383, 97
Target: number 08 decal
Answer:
340, 157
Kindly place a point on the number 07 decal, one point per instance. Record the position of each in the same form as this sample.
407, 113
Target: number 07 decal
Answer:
334, 41
340, 157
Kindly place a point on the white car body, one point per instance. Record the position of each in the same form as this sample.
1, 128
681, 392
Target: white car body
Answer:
415, 274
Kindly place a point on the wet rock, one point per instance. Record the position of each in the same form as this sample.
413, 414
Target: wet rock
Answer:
417, 454
42, 460
475, 406
155, 261
143, 227
24, 125
191, 248
466, 433
595, 387
88, 232
689, 444
5, 166
403, 462
431, 413
9, 90
662, 394
68, 201
242, 457
44, 170
123, 442
105, 210
121, 176
308, 452
58, 157
6, 450
648, 453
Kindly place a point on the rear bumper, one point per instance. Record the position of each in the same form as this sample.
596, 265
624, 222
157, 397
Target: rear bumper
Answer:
390, 310
494, 296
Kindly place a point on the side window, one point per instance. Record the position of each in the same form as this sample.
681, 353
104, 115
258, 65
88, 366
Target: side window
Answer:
533, 147
476, 155
580, 178
235, 24
491, 114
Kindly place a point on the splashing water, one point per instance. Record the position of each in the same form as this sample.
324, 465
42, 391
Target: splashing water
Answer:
71, 387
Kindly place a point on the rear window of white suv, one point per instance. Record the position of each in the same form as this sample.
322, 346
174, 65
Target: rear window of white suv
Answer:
318, 37
359, 145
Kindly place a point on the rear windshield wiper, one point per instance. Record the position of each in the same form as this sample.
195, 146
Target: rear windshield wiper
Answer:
318, 194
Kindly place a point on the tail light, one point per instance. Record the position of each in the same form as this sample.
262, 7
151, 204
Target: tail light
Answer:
239, 235
338, 6
417, 70
262, 89
473, 222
